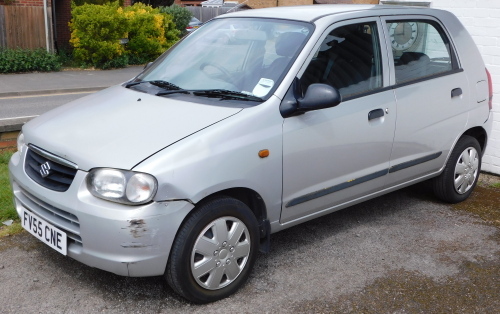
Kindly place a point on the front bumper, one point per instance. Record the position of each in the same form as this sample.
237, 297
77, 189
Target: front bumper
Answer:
125, 240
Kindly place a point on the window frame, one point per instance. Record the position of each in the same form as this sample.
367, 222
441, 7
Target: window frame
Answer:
385, 61
448, 41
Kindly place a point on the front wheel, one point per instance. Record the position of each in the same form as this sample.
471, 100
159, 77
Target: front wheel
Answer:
461, 172
214, 251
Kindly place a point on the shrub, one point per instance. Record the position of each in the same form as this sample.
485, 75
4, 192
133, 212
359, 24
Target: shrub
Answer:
150, 32
95, 33
157, 3
118, 62
25, 60
99, 2
180, 15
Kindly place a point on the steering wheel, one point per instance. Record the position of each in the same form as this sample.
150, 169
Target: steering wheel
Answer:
226, 76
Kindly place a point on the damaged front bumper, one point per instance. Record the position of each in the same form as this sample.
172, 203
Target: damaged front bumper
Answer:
125, 240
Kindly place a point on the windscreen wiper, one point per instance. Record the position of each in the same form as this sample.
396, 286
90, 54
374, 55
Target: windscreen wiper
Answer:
222, 94
177, 91
225, 94
159, 83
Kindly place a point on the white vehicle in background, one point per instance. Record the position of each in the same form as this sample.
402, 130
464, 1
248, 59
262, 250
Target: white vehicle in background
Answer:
193, 25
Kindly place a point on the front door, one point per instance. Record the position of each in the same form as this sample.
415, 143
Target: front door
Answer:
338, 154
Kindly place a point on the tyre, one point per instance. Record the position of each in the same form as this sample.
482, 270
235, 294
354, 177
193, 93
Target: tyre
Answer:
461, 172
214, 251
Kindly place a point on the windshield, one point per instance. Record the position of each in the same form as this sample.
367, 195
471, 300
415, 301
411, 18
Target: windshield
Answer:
243, 55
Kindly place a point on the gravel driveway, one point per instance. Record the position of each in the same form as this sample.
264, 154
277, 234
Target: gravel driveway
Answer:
403, 252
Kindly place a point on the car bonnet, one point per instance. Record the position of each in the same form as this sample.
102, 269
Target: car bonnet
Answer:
119, 127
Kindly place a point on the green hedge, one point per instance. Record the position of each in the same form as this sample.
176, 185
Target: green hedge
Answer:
150, 33
82, 2
96, 31
25, 60
180, 15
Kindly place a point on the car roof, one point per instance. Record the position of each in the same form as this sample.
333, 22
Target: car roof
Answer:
310, 13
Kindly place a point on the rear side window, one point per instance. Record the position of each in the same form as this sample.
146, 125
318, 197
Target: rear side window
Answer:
420, 49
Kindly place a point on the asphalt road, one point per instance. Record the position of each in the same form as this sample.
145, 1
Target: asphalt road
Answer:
400, 253
22, 106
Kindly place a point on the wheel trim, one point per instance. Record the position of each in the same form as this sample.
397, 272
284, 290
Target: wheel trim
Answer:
466, 170
220, 253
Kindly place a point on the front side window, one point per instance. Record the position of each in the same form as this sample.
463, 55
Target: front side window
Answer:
244, 55
348, 59
420, 49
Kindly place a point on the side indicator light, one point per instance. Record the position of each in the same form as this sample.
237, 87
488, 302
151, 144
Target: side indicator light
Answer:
264, 153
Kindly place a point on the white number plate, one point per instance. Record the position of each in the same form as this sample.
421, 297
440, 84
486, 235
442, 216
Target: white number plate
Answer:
44, 231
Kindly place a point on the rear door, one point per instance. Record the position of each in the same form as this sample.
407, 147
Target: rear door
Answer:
431, 93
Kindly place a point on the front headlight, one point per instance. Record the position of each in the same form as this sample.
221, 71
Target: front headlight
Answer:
122, 186
20, 142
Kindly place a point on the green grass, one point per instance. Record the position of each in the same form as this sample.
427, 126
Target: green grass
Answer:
496, 185
7, 210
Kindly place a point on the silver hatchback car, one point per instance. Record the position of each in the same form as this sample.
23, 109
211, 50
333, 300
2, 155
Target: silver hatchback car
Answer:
258, 121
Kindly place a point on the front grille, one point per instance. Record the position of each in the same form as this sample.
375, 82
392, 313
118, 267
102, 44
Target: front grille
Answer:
61, 219
47, 172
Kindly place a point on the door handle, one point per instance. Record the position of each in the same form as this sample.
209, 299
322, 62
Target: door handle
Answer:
456, 92
374, 114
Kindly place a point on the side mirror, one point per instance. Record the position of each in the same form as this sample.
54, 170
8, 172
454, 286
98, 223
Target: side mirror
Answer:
147, 65
317, 96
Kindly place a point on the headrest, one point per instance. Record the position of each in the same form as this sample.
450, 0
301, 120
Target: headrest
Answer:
409, 56
286, 44
348, 30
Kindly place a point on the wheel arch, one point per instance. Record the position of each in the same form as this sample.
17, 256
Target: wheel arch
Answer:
480, 135
256, 204
248, 196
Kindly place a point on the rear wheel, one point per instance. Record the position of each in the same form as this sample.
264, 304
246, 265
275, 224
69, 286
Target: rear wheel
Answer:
214, 251
461, 172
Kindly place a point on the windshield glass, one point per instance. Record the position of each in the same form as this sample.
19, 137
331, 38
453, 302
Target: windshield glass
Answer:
244, 55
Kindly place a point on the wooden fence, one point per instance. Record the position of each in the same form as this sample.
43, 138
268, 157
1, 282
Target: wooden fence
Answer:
23, 27
206, 13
